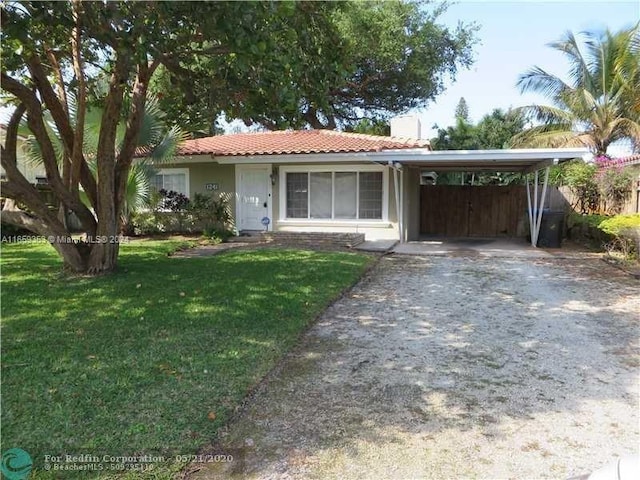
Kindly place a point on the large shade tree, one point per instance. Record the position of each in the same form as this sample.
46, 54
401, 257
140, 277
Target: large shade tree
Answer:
384, 57
158, 141
598, 104
55, 51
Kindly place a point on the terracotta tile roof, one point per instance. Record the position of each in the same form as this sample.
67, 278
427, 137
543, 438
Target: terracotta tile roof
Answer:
621, 162
292, 142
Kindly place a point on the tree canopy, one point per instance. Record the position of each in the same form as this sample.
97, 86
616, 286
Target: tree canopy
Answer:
494, 131
345, 62
275, 64
599, 104
58, 54
368, 126
462, 110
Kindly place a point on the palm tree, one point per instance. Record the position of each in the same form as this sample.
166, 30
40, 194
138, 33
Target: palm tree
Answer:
600, 104
156, 141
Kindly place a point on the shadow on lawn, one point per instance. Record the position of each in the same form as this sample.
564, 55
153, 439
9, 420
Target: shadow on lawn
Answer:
154, 358
471, 346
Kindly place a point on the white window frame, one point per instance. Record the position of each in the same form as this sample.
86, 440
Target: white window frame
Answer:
177, 171
283, 170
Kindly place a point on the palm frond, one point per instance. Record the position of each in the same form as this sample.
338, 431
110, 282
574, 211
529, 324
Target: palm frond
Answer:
138, 190
547, 115
93, 120
548, 136
166, 149
625, 128
539, 81
153, 126
602, 104
32, 149
579, 71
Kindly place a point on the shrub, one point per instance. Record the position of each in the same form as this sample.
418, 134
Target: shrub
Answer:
626, 232
618, 224
172, 200
175, 213
585, 229
216, 235
153, 223
603, 186
210, 212
580, 178
615, 185
592, 220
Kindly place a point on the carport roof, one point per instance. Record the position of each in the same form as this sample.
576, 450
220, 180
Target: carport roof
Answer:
508, 160
512, 160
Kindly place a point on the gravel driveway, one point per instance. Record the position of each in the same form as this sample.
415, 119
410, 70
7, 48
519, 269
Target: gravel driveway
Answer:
453, 367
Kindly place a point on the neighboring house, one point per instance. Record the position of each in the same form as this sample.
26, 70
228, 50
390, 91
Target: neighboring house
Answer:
34, 173
328, 181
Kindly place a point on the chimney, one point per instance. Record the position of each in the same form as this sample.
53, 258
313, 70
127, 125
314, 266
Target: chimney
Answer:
406, 126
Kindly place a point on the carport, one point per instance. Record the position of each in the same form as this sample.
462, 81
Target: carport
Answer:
407, 166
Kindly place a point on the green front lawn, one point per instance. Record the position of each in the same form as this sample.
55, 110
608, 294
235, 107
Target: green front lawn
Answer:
152, 359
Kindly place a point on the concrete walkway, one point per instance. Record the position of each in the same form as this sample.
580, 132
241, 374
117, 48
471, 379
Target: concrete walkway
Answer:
486, 247
452, 367
377, 246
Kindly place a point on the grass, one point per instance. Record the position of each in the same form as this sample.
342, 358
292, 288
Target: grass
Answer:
154, 358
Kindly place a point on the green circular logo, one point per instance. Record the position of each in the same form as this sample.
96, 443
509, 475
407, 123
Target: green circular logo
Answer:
16, 464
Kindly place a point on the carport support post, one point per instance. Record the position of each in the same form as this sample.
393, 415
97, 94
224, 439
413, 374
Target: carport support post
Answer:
396, 188
537, 205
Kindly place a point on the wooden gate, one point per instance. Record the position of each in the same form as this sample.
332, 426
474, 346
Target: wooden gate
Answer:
465, 211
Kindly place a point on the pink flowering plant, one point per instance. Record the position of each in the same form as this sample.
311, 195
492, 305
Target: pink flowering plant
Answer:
614, 182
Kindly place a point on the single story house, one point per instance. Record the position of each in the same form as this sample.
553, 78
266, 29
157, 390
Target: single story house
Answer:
329, 181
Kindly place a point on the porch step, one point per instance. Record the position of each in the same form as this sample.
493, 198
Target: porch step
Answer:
322, 239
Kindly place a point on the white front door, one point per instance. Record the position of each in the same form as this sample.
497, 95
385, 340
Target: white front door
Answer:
254, 196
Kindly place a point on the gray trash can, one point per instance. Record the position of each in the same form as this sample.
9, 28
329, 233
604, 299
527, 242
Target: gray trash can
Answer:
550, 235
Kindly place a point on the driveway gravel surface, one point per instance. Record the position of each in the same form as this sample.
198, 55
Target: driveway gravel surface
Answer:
452, 367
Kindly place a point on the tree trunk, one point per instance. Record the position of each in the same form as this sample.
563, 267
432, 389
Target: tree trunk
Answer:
103, 257
96, 258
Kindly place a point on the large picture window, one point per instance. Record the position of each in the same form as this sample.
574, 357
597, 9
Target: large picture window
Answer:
334, 195
297, 195
172, 179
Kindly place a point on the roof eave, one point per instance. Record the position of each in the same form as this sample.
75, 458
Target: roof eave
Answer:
421, 154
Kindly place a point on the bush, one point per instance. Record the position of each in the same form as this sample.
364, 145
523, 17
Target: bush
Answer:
174, 201
592, 220
615, 185
599, 187
202, 214
210, 213
585, 229
153, 223
216, 235
580, 178
618, 224
625, 230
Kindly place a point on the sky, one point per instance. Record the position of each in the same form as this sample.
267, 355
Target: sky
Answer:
513, 37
